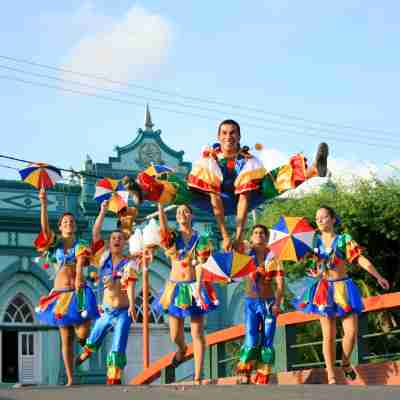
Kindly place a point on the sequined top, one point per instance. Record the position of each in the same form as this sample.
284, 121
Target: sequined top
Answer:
214, 173
259, 283
195, 251
343, 251
126, 269
53, 250
271, 267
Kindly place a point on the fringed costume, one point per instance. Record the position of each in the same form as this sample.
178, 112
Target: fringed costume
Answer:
324, 296
117, 319
257, 352
179, 297
65, 306
229, 178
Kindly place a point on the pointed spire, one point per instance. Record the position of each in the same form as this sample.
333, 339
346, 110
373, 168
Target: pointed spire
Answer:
148, 124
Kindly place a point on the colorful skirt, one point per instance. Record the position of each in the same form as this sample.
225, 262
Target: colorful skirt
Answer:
330, 298
67, 307
177, 299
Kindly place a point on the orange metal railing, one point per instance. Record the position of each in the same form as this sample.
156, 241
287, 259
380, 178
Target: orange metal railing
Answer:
374, 303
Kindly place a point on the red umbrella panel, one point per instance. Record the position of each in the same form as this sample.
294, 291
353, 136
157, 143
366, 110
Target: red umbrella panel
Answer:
41, 176
227, 267
291, 238
114, 191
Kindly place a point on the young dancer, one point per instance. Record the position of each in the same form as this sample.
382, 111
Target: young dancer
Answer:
334, 294
71, 304
118, 274
184, 294
262, 305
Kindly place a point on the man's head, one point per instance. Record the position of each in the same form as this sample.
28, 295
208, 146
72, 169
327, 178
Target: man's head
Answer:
117, 242
259, 235
229, 136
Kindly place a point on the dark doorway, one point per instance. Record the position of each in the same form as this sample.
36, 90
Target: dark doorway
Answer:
9, 351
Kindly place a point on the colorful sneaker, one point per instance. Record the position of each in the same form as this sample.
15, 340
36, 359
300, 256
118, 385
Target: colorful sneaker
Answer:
261, 378
111, 381
81, 358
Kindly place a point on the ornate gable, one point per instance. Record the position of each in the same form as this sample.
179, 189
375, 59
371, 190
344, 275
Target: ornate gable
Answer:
147, 148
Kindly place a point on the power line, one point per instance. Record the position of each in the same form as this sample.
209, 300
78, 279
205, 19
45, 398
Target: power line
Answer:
72, 171
8, 167
270, 130
124, 93
5, 166
323, 124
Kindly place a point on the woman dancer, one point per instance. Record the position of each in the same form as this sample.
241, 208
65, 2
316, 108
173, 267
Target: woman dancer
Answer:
71, 304
184, 294
334, 294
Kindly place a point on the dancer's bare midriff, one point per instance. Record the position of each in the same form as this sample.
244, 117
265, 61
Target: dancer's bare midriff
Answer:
181, 273
114, 295
339, 272
263, 289
65, 278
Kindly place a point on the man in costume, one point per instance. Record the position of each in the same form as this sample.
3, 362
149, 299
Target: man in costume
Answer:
118, 274
228, 180
262, 305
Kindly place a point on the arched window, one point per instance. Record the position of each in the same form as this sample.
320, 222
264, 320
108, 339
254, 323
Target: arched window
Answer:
154, 318
19, 311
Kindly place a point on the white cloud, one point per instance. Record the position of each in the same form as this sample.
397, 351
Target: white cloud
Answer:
392, 168
341, 169
272, 158
349, 170
87, 18
67, 27
133, 46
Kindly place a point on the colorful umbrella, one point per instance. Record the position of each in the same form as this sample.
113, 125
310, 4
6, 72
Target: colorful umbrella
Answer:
227, 267
41, 175
291, 238
113, 190
158, 169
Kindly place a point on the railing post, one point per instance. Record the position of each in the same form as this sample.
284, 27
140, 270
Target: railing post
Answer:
208, 368
167, 375
284, 338
145, 323
218, 353
360, 345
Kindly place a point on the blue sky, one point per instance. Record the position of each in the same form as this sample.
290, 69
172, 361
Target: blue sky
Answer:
333, 62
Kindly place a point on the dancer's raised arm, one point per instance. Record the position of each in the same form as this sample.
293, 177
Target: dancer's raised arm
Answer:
44, 219
96, 232
163, 218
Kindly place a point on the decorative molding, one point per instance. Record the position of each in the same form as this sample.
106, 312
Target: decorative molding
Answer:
12, 239
148, 147
25, 201
149, 153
